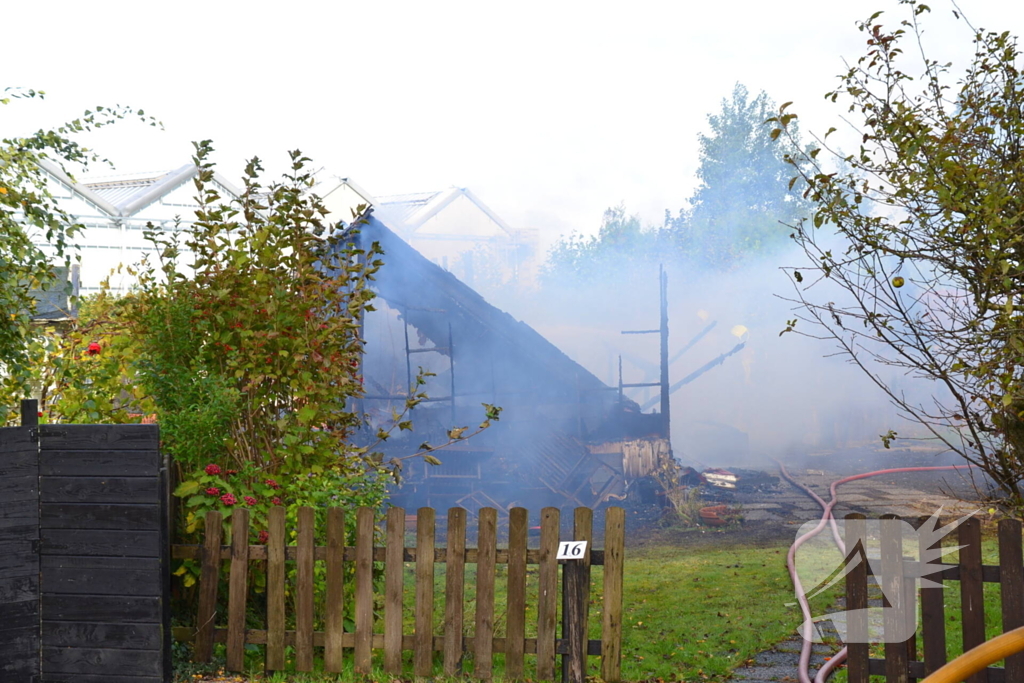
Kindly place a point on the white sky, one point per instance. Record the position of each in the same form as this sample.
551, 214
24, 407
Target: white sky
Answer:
549, 111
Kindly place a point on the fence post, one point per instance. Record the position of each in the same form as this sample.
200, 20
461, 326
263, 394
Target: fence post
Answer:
547, 594
209, 580
485, 565
304, 578
364, 589
611, 634
454, 591
238, 588
575, 601
515, 629
896, 662
275, 589
857, 599
29, 412
972, 592
394, 570
933, 611
334, 619
1011, 588
423, 659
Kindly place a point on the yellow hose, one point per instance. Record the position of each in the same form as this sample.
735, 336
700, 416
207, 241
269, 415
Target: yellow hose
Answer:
973, 661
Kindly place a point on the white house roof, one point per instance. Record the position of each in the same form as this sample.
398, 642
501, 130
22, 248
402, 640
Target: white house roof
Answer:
416, 209
125, 196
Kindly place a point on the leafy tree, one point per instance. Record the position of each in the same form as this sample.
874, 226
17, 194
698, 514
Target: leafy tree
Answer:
919, 244
29, 214
620, 242
743, 193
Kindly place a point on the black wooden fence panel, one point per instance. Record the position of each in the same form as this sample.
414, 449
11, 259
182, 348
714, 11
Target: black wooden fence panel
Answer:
93, 532
19, 556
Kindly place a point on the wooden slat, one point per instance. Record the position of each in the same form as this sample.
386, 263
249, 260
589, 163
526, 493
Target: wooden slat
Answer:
1011, 587
575, 600
334, 619
122, 517
424, 619
454, 592
515, 627
894, 619
972, 596
109, 543
614, 558
484, 631
238, 589
101, 575
275, 589
103, 608
100, 463
121, 437
89, 634
547, 598
394, 578
364, 589
304, 582
933, 616
209, 580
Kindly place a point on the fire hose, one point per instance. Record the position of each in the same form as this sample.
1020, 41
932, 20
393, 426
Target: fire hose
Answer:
829, 666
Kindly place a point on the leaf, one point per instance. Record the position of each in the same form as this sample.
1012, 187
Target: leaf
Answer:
186, 488
431, 460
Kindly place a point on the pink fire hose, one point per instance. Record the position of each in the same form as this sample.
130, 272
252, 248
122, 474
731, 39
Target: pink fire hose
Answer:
827, 518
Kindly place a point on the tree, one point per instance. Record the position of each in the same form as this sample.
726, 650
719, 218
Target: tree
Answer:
743, 197
28, 215
620, 242
919, 241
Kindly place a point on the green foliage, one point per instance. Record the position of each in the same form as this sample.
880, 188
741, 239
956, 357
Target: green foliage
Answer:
743, 199
621, 242
925, 238
28, 213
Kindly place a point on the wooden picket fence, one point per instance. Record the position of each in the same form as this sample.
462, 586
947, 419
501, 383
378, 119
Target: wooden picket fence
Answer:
901, 662
447, 637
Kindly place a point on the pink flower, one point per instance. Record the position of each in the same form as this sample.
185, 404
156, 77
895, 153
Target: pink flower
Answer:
263, 538
230, 472
277, 501
272, 484
228, 499
249, 500
212, 469
213, 491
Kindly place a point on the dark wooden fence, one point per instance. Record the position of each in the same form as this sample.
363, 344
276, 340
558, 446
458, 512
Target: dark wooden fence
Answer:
448, 637
902, 660
84, 555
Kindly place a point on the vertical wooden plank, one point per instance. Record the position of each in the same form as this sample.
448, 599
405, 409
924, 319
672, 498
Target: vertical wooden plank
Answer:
515, 625
209, 580
275, 589
614, 556
304, 590
454, 591
485, 566
894, 620
1011, 588
547, 597
575, 600
238, 585
972, 595
394, 571
424, 636
933, 614
856, 599
364, 589
334, 621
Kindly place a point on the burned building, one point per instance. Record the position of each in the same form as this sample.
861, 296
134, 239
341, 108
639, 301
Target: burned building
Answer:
564, 437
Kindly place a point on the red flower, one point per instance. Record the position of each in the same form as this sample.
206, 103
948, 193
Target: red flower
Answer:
249, 500
213, 491
272, 484
277, 501
230, 471
228, 499
263, 538
212, 469
93, 349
